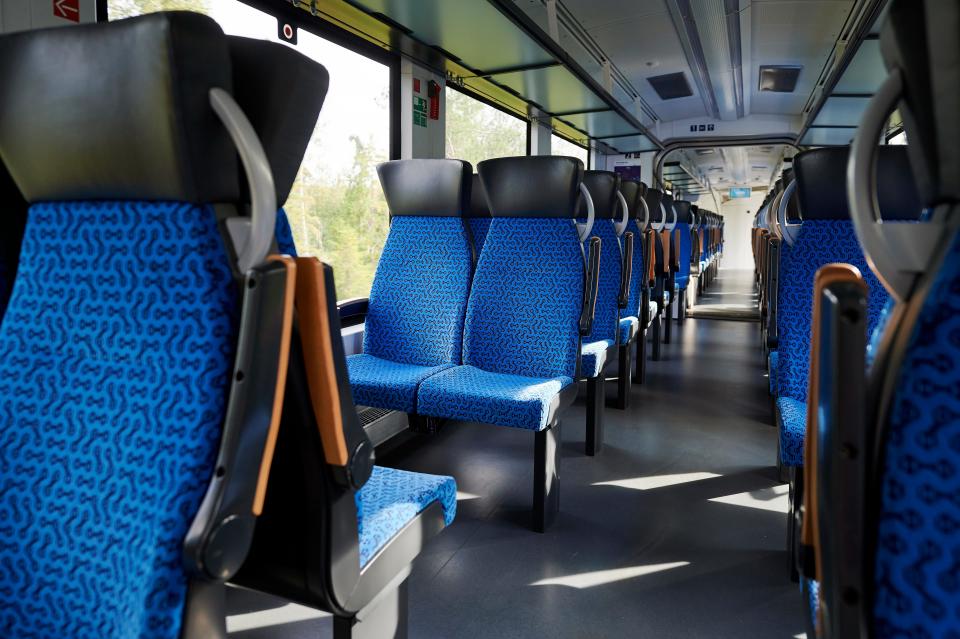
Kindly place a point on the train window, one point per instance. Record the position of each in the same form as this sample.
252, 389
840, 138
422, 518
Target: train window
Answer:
560, 146
899, 138
336, 208
476, 131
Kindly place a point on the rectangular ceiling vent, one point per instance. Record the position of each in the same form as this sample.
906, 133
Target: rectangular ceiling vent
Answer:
671, 86
704, 151
779, 78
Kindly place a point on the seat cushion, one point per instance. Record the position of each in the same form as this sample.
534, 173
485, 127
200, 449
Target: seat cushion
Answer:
629, 327
772, 361
471, 394
593, 357
654, 308
391, 498
793, 427
385, 384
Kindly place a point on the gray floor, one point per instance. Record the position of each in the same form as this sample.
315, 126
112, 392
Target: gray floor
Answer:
676, 529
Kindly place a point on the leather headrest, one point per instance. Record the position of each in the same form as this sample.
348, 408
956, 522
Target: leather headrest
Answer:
653, 201
821, 176
643, 189
478, 199
630, 190
281, 92
603, 187
532, 186
684, 214
920, 38
118, 111
426, 188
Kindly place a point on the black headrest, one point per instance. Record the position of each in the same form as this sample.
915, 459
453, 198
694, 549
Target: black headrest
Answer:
778, 187
603, 187
630, 190
822, 185
534, 186
426, 188
684, 215
643, 189
118, 111
478, 199
787, 176
920, 38
653, 201
281, 92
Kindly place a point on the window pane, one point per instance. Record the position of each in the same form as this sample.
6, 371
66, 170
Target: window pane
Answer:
336, 207
477, 131
898, 139
559, 146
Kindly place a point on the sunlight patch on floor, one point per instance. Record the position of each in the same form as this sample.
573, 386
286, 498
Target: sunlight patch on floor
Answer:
602, 577
657, 481
290, 613
774, 498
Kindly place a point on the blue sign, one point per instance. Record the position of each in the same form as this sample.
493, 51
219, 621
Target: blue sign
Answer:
740, 191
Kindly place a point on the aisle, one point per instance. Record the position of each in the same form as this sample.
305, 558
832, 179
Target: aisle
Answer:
677, 529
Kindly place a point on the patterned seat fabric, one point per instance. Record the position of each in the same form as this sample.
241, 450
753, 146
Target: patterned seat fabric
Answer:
521, 337
285, 243
392, 498
593, 357
773, 361
419, 294
918, 550
605, 330
793, 426
638, 271
629, 327
471, 394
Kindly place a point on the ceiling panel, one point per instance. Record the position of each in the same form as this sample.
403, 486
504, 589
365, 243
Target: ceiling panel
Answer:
866, 71
631, 144
454, 26
555, 89
602, 124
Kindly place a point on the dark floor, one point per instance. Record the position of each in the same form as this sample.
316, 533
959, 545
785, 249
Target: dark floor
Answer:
676, 529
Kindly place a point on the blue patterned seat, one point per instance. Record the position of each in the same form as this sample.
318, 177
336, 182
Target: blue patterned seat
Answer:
391, 498
629, 327
593, 356
414, 325
284, 235
119, 340
792, 423
683, 244
773, 361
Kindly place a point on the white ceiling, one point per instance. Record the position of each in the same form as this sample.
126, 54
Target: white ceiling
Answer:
641, 39
725, 167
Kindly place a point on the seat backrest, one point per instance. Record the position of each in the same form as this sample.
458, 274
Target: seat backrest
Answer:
653, 198
632, 193
524, 308
11, 234
419, 293
827, 236
603, 187
682, 242
120, 337
666, 235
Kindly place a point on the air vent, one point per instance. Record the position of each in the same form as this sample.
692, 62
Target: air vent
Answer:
671, 86
759, 166
779, 79
704, 151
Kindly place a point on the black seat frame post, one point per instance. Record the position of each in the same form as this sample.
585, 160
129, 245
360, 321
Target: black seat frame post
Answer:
641, 357
655, 355
387, 616
624, 373
595, 404
794, 521
546, 476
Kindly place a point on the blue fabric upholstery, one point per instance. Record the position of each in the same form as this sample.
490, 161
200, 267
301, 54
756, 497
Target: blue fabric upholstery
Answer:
819, 242
629, 327
385, 384
918, 551
479, 227
115, 362
471, 394
593, 357
285, 243
773, 361
524, 308
686, 247
793, 427
637, 273
419, 293
391, 498
812, 588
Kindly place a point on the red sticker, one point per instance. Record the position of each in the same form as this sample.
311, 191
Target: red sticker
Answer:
67, 9
416, 85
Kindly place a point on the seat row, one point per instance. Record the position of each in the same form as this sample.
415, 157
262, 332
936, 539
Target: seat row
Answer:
861, 317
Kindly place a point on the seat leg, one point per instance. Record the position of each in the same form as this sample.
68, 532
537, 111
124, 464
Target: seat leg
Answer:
595, 404
795, 498
668, 316
682, 310
387, 617
546, 477
624, 374
655, 355
641, 371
